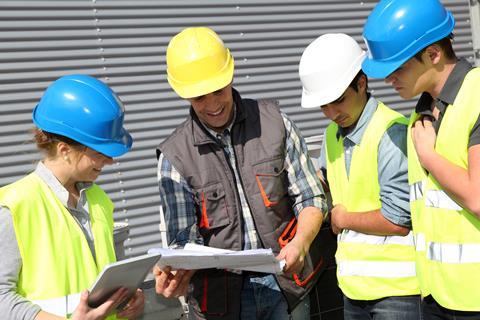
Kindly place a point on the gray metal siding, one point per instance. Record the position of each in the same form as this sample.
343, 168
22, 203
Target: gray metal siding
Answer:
123, 43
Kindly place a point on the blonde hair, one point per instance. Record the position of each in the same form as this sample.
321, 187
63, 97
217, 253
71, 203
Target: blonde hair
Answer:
46, 142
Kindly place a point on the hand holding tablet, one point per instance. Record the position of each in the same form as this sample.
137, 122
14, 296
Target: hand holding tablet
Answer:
128, 273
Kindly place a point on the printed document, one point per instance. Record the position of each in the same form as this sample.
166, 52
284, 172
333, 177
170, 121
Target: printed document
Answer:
194, 256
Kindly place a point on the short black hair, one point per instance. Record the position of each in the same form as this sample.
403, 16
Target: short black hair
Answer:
354, 82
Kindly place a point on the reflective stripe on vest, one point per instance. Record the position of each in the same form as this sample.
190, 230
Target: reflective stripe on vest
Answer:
433, 198
358, 237
416, 191
420, 243
62, 307
454, 253
377, 269
439, 199
369, 267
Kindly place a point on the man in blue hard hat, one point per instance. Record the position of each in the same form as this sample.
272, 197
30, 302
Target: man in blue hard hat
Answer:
410, 45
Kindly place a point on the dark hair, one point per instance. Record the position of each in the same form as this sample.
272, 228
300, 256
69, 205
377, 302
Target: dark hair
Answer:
47, 141
354, 82
445, 44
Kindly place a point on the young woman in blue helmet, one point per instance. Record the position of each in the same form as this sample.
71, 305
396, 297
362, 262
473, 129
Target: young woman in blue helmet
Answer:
56, 224
410, 45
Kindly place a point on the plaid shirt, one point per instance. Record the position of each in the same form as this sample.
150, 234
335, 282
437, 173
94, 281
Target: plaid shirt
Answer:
177, 196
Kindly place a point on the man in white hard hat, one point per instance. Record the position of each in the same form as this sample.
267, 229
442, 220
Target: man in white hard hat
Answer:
363, 163
236, 175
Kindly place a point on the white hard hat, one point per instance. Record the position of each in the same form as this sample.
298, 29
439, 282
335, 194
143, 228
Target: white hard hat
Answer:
327, 67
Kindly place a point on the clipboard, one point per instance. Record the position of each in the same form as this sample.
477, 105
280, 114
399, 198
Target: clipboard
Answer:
128, 273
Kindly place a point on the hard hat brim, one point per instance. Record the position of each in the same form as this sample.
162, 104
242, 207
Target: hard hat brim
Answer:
381, 69
319, 99
114, 148
209, 85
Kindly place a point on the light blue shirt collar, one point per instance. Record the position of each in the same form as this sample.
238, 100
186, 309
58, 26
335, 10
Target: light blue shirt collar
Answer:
356, 133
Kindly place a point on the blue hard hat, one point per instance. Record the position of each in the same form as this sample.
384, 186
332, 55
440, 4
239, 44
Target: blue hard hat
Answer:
85, 110
397, 29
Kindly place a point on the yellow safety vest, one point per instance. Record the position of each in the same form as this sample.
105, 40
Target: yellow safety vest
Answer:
417, 178
453, 233
369, 267
57, 264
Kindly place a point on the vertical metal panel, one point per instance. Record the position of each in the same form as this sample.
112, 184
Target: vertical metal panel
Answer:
123, 43
39, 41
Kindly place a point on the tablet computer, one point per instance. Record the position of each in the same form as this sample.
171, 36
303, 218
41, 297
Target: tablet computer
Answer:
128, 273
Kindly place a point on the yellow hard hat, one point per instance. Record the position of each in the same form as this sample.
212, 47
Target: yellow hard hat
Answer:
198, 62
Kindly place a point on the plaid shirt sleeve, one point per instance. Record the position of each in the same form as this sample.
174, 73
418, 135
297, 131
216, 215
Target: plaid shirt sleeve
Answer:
177, 200
304, 184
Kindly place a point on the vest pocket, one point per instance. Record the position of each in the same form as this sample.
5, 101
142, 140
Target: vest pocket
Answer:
213, 207
271, 179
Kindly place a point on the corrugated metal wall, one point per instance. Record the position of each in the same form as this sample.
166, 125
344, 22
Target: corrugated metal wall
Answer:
123, 43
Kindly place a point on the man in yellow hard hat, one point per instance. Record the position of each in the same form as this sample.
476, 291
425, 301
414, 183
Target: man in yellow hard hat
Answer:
236, 175
364, 163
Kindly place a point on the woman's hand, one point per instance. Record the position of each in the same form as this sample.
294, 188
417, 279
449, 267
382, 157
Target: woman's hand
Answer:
134, 307
85, 312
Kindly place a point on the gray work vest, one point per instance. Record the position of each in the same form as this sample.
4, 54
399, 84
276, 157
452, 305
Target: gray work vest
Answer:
258, 137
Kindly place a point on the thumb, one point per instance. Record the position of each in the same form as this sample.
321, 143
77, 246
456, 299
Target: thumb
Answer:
82, 307
84, 298
281, 254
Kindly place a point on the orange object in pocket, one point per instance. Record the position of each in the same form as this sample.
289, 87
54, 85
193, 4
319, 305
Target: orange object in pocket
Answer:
266, 201
288, 233
204, 219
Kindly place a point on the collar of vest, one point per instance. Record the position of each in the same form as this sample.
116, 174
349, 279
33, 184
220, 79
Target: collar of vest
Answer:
201, 135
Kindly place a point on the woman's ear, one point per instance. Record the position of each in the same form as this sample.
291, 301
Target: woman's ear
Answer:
63, 150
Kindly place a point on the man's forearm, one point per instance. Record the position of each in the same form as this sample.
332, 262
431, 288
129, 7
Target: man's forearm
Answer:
309, 223
372, 222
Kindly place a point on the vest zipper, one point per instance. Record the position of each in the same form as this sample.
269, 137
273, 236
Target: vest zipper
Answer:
246, 199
